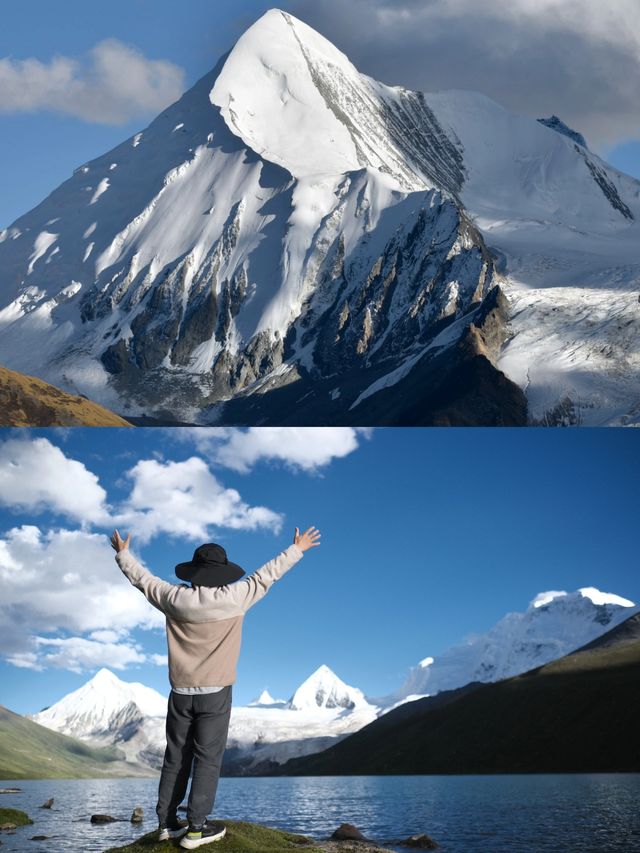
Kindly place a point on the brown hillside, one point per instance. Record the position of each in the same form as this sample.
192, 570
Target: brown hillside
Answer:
26, 401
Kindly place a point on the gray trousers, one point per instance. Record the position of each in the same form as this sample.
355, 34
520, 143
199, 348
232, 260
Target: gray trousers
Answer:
197, 729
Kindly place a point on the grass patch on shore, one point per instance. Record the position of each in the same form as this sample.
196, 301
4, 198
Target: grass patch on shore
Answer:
241, 837
14, 816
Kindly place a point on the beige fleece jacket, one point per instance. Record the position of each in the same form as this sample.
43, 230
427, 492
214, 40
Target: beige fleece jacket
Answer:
204, 624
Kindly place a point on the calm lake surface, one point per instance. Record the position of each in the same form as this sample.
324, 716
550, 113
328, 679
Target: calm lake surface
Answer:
465, 814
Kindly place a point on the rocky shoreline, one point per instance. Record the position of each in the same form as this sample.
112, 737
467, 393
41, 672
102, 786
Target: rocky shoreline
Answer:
241, 836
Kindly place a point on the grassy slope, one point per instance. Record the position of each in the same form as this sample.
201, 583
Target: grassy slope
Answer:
31, 751
577, 714
240, 838
27, 401
14, 816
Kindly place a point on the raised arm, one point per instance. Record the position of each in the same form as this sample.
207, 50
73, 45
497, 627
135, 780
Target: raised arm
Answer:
157, 592
247, 592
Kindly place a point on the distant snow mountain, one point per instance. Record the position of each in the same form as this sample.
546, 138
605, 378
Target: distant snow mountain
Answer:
108, 711
555, 624
294, 232
93, 708
321, 711
266, 699
323, 689
324, 709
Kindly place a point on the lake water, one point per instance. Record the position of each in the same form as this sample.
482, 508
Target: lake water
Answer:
465, 814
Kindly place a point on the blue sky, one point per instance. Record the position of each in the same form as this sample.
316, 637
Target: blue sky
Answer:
589, 86
428, 536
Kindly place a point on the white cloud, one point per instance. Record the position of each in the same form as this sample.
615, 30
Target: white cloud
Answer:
79, 654
67, 582
106, 636
186, 499
178, 498
307, 448
36, 475
113, 84
579, 59
64, 601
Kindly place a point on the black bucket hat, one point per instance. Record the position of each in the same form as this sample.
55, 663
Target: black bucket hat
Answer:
209, 567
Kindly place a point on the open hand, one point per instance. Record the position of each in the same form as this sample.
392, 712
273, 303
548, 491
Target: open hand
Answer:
309, 539
118, 543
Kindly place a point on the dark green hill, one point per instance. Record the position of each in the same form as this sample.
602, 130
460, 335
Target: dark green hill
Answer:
31, 751
576, 714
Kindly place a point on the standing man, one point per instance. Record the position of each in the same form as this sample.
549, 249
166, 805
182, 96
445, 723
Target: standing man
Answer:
204, 627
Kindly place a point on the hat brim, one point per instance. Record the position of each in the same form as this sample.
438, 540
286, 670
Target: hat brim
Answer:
209, 574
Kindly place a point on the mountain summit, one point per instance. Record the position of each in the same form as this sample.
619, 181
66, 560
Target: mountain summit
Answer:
556, 623
296, 100
323, 689
102, 705
295, 242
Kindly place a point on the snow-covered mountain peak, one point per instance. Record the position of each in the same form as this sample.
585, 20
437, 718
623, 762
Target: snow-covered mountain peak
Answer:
297, 101
323, 689
544, 598
563, 599
265, 698
93, 708
555, 624
104, 678
598, 597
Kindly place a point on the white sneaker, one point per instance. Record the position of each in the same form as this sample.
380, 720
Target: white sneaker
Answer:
173, 829
211, 830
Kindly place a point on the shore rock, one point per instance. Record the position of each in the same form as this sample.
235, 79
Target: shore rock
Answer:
137, 815
103, 818
418, 842
48, 804
348, 832
40, 837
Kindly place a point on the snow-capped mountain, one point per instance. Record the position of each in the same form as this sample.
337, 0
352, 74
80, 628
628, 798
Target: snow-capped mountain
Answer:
92, 708
107, 711
266, 699
322, 710
323, 689
294, 229
554, 624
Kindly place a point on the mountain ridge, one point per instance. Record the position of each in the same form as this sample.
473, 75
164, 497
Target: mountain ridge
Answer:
573, 715
32, 751
323, 710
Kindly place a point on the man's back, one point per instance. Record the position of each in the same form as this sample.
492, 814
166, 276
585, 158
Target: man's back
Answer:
204, 624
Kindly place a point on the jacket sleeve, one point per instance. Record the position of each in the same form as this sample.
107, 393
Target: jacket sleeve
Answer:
247, 592
158, 592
